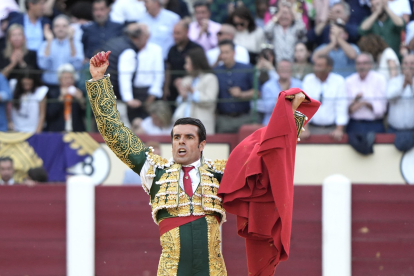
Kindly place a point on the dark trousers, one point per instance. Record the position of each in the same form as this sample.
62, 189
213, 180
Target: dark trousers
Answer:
141, 94
364, 126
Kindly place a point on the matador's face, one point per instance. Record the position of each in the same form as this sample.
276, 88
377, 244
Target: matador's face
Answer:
186, 148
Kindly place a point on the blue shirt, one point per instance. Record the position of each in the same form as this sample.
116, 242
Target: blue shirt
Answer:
270, 93
161, 28
5, 95
240, 75
95, 35
33, 33
343, 65
59, 54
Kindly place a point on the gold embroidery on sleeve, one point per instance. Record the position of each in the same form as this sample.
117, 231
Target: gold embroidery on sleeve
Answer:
120, 139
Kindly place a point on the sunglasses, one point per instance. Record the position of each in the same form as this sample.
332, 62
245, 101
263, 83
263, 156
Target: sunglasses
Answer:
239, 24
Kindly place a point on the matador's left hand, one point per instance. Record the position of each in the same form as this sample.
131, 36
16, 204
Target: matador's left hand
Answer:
297, 100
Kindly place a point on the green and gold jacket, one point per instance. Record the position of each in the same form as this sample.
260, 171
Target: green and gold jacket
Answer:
168, 199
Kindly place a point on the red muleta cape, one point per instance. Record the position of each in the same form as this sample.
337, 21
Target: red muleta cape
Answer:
257, 186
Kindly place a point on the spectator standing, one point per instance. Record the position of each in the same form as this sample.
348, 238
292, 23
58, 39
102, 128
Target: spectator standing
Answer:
65, 111
271, 89
385, 23
401, 8
176, 59
58, 50
29, 106
127, 11
401, 99
387, 62
235, 84
157, 123
5, 96
329, 89
285, 31
247, 34
261, 8
16, 56
227, 32
342, 52
299, 9
6, 171
203, 31
366, 93
160, 23
33, 22
147, 65
100, 30
198, 91
301, 67
339, 13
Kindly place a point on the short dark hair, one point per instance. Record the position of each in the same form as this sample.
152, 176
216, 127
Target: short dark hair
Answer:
82, 10
6, 159
99, 1
328, 59
227, 42
202, 136
201, 3
34, 2
38, 174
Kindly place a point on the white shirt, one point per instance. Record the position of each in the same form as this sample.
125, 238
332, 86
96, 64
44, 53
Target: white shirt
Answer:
399, 7
148, 67
241, 55
387, 54
373, 91
152, 129
26, 118
11, 182
401, 102
251, 41
127, 10
334, 105
194, 175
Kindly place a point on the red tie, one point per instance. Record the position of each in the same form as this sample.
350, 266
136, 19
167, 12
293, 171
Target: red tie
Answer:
188, 186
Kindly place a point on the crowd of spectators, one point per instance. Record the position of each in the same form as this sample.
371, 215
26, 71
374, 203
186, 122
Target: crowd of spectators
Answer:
216, 61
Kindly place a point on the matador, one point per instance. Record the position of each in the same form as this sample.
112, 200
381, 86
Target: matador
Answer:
182, 190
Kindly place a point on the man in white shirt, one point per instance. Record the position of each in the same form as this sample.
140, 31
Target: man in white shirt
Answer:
401, 98
124, 11
366, 94
329, 89
148, 66
161, 23
227, 32
6, 171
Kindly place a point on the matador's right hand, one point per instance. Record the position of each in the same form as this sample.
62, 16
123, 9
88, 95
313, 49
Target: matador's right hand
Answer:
98, 65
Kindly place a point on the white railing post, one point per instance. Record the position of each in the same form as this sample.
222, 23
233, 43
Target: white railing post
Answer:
80, 226
336, 226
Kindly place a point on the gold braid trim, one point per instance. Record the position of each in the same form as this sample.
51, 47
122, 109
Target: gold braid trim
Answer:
120, 139
218, 165
170, 256
217, 266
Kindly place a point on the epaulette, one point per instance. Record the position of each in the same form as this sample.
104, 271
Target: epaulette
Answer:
217, 165
157, 160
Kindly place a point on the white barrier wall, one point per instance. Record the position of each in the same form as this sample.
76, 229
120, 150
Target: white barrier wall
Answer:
80, 226
336, 226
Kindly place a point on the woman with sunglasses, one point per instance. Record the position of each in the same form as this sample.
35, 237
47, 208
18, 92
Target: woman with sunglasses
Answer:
248, 34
